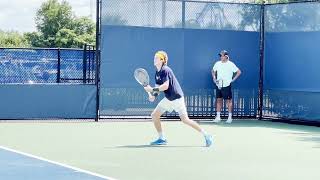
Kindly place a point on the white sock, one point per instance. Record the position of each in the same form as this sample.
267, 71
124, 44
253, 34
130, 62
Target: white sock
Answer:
161, 136
218, 114
204, 132
230, 115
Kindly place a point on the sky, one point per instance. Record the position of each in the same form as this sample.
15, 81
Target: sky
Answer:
19, 15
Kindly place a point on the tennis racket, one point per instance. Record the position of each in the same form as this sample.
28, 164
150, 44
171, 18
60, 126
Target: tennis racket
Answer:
142, 77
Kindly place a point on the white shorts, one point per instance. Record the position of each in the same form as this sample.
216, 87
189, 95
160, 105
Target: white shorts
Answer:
177, 105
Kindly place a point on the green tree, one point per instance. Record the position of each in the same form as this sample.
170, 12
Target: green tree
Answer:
58, 27
35, 39
12, 39
66, 38
52, 17
85, 29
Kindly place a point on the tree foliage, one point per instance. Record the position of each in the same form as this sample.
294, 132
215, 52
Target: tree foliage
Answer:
12, 39
58, 27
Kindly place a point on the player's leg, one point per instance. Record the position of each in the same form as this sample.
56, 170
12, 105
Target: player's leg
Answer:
218, 109
155, 115
185, 119
162, 107
208, 138
218, 105
230, 105
180, 107
227, 95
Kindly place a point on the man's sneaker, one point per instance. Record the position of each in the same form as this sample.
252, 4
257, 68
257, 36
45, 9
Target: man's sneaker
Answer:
159, 142
229, 120
209, 140
217, 119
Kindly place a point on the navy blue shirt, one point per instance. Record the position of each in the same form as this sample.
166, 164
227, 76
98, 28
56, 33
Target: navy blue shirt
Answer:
174, 90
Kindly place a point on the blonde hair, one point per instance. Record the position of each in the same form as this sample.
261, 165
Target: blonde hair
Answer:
163, 56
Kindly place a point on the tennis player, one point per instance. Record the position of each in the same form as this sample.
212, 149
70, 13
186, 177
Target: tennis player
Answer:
223, 76
173, 100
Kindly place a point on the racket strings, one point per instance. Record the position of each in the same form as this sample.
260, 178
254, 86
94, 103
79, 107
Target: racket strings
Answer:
142, 77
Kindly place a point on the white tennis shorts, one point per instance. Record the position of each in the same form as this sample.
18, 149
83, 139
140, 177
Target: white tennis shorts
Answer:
177, 105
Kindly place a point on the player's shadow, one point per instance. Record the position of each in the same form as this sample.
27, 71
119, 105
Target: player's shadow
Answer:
155, 146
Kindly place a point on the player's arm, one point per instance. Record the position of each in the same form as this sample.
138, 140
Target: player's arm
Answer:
162, 87
153, 92
150, 89
238, 73
214, 73
214, 78
159, 88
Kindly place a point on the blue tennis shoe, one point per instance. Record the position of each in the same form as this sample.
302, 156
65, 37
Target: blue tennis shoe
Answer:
159, 142
209, 140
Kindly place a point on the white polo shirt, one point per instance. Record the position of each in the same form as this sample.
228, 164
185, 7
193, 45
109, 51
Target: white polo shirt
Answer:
225, 71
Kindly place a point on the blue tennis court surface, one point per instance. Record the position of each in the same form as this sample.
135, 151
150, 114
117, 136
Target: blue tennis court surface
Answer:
16, 166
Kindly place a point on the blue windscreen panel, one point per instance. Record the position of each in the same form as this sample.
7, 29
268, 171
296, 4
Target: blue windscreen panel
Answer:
47, 101
200, 54
291, 76
123, 50
192, 54
292, 88
292, 61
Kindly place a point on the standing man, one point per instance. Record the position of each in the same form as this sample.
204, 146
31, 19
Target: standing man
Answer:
173, 100
223, 76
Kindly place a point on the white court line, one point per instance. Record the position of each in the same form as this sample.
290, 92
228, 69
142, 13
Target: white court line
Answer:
57, 163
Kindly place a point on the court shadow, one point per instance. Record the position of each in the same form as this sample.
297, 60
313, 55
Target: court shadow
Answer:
155, 146
264, 124
236, 123
301, 132
310, 137
306, 136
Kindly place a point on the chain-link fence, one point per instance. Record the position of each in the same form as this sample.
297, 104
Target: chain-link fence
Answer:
181, 14
30, 65
294, 17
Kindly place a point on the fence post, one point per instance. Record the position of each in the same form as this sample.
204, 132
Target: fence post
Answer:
59, 67
261, 60
89, 63
163, 20
94, 66
84, 64
97, 53
183, 14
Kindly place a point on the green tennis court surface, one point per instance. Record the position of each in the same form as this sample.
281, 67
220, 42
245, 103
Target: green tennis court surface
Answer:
245, 150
